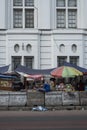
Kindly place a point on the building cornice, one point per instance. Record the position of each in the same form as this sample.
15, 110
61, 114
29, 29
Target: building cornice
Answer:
43, 32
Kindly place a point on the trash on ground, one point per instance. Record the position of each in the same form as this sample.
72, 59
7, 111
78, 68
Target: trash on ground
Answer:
39, 108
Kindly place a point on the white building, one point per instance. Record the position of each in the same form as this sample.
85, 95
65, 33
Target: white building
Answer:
43, 33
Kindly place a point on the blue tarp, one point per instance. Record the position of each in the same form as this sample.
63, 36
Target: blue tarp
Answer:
2, 76
4, 69
29, 71
3, 73
84, 70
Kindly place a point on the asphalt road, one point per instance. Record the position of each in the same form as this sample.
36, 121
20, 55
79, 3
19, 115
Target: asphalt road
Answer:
49, 120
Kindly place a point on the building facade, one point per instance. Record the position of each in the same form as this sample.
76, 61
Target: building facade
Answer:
42, 34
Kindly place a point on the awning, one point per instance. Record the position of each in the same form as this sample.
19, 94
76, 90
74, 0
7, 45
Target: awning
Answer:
34, 76
3, 76
29, 71
4, 69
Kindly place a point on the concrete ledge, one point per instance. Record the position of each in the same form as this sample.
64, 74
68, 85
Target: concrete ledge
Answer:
83, 98
17, 99
13, 99
4, 98
35, 98
70, 98
53, 98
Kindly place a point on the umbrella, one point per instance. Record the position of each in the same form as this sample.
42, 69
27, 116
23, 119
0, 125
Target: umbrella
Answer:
66, 71
83, 70
30, 71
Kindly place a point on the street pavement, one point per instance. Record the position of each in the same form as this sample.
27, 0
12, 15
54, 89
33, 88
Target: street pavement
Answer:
39, 120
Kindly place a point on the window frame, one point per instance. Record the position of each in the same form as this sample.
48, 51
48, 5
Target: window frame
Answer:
67, 8
62, 58
23, 8
74, 60
14, 61
30, 58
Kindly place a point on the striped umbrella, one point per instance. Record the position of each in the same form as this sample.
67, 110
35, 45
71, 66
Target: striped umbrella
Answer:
66, 71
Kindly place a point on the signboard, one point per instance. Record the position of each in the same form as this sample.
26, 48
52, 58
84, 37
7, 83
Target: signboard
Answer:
5, 84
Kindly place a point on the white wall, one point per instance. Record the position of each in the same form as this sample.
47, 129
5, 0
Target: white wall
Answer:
44, 14
82, 14
2, 14
45, 50
25, 37
68, 39
2, 49
45, 44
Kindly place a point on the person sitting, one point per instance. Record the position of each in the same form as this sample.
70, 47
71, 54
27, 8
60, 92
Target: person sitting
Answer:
52, 86
45, 88
81, 86
60, 86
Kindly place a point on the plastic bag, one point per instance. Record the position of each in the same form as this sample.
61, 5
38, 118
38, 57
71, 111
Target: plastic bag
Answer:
39, 108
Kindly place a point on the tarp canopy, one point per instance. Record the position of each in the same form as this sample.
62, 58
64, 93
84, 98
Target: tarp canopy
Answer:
4, 69
34, 76
24, 69
84, 70
3, 76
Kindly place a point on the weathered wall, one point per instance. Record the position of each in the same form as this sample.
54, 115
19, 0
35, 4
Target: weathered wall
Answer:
13, 99
36, 98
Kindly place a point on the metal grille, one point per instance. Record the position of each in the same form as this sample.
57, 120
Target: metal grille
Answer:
28, 61
74, 60
16, 60
61, 60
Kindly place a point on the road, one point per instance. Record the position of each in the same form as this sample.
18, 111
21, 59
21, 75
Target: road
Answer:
48, 120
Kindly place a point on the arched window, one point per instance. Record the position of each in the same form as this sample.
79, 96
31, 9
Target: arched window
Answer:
62, 48
28, 47
74, 48
16, 48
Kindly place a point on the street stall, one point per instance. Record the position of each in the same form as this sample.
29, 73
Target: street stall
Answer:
66, 72
6, 82
6, 79
34, 81
32, 75
4, 69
